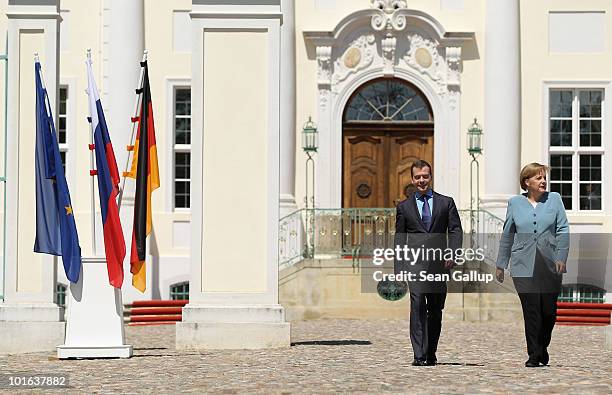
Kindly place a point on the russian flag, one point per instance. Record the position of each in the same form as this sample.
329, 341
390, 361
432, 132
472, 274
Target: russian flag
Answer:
108, 185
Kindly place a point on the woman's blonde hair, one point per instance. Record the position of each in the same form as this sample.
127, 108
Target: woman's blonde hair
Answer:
529, 171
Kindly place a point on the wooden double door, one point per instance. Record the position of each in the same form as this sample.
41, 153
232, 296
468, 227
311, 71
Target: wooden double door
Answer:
376, 163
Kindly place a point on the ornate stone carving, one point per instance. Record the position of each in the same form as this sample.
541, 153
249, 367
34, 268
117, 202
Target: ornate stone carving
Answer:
324, 74
388, 50
453, 78
423, 57
443, 69
453, 60
387, 17
324, 71
366, 47
453, 94
324, 97
423, 45
388, 6
352, 57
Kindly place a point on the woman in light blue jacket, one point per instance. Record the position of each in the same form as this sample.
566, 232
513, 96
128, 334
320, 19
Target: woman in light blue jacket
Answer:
535, 241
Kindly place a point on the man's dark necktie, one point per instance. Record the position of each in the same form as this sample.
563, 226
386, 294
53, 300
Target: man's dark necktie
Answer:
426, 216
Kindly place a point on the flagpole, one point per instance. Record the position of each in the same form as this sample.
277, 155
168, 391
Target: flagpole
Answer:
42, 83
92, 174
134, 125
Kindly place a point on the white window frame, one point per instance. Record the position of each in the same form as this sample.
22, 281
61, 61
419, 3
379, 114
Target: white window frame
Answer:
70, 84
63, 147
172, 85
575, 150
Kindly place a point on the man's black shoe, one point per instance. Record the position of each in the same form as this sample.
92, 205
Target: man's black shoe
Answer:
545, 358
532, 364
431, 362
419, 362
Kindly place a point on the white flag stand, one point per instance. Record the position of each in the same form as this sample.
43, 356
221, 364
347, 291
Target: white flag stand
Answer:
94, 327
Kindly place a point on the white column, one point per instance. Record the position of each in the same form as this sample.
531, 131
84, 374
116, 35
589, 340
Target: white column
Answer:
233, 293
327, 190
29, 319
123, 45
287, 109
122, 49
502, 103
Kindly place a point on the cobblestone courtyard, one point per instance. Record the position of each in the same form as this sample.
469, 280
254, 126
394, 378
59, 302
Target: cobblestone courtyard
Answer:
343, 356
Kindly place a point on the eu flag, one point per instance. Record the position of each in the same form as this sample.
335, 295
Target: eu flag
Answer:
56, 232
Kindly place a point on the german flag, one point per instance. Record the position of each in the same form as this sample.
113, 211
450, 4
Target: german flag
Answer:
146, 172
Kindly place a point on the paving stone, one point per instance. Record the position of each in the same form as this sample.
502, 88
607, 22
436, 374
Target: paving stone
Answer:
356, 356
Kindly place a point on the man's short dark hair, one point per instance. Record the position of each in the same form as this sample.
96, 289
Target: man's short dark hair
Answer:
419, 164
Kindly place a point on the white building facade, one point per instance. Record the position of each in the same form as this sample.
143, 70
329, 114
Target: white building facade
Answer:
536, 74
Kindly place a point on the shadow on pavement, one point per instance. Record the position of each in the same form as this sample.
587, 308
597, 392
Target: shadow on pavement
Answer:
149, 348
332, 343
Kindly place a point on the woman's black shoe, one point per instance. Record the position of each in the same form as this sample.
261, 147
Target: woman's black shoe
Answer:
419, 362
544, 359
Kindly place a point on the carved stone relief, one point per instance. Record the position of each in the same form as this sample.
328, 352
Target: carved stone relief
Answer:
424, 47
324, 74
424, 56
358, 56
387, 18
365, 49
389, 44
324, 62
453, 59
352, 58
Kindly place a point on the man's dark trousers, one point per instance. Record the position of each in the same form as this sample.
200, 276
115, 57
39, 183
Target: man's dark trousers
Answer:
426, 323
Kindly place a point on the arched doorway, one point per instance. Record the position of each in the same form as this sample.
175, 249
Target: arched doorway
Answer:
387, 125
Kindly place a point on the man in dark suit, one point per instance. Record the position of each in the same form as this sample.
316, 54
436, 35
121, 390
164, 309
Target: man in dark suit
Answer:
429, 221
